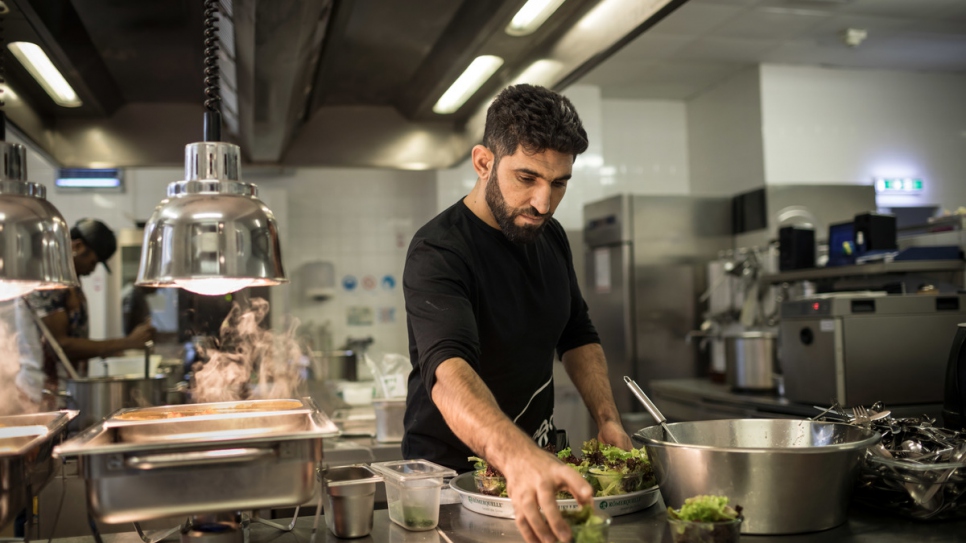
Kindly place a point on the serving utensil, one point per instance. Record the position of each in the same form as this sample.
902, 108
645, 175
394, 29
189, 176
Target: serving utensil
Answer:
54, 345
862, 416
651, 408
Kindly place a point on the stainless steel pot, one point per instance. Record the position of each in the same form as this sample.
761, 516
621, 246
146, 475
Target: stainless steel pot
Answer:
790, 476
350, 493
750, 360
97, 397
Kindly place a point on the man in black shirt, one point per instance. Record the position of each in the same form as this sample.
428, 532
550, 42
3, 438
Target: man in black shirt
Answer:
490, 294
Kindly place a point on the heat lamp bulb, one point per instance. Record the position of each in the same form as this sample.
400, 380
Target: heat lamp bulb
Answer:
215, 286
15, 289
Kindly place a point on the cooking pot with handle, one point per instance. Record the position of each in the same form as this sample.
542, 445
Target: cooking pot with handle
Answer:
750, 360
97, 397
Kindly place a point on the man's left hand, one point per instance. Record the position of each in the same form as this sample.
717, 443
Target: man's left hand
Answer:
612, 433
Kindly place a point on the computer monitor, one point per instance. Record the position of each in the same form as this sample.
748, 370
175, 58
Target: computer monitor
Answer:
841, 244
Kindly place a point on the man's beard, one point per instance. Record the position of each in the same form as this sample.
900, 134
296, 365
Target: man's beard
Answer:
504, 215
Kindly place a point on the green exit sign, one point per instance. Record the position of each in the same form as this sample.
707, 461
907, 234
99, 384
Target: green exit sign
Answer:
898, 184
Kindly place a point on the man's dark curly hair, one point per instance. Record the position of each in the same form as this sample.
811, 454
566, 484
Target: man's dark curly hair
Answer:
535, 118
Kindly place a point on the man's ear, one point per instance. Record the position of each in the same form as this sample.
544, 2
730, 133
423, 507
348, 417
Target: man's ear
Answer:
482, 161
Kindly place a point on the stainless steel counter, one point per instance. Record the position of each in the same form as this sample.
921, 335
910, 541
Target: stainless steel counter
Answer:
700, 399
458, 525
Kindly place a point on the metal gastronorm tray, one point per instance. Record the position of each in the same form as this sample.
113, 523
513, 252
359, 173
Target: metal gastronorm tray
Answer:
209, 421
26, 463
224, 460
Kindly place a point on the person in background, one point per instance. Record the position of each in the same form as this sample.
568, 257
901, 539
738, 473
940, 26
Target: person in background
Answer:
490, 294
64, 311
135, 309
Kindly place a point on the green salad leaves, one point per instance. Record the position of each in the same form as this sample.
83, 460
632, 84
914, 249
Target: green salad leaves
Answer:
610, 470
585, 526
705, 509
489, 480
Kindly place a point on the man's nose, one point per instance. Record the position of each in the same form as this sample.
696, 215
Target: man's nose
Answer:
540, 198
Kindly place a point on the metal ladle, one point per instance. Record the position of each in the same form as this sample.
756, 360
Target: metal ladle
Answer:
651, 408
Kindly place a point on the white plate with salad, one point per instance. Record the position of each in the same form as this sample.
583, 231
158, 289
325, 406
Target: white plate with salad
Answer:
622, 480
494, 506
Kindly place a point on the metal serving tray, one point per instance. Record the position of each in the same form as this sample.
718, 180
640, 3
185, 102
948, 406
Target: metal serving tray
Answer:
26, 462
206, 458
210, 421
493, 506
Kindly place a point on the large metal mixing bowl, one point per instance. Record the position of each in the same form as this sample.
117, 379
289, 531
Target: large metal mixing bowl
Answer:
791, 476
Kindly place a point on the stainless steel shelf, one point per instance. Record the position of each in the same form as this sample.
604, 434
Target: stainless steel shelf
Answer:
878, 268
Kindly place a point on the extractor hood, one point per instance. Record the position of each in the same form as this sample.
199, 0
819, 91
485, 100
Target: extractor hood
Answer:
305, 82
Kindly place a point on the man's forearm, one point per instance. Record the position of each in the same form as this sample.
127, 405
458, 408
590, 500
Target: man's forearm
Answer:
82, 349
587, 368
471, 411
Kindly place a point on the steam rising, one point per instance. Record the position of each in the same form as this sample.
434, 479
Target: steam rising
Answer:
245, 350
21, 379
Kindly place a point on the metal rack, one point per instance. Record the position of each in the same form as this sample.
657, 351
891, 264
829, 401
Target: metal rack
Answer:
858, 270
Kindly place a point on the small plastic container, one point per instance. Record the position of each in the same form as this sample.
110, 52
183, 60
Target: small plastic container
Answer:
686, 531
389, 419
412, 491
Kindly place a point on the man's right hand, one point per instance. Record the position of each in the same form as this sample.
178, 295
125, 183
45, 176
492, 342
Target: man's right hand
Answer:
533, 476
533, 479
141, 334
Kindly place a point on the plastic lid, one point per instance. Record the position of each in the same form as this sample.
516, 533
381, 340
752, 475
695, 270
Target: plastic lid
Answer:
402, 471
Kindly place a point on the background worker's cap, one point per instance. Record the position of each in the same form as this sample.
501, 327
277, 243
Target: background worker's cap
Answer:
98, 237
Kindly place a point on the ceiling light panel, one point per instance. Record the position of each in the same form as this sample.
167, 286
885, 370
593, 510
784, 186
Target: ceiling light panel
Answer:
36, 61
470, 81
533, 14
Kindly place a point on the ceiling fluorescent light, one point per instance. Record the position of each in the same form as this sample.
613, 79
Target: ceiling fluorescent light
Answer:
470, 81
43, 70
533, 14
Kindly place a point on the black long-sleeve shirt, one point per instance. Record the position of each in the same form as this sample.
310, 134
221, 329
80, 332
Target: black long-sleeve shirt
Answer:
503, 308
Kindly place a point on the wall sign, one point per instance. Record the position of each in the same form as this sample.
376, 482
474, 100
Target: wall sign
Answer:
349, 282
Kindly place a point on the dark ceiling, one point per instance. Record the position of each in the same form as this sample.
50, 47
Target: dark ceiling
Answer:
305, 82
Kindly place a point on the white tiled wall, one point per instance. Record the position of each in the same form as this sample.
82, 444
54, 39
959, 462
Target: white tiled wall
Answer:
825, 125
645, 147
724, 137
362, 221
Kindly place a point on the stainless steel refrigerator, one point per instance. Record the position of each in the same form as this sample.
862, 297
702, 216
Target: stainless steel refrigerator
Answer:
646, 265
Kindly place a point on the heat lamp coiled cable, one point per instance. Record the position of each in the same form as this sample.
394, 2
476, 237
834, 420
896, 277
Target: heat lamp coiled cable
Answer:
3, 50
212, 90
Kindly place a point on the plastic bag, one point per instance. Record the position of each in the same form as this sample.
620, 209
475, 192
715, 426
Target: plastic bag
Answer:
391, 374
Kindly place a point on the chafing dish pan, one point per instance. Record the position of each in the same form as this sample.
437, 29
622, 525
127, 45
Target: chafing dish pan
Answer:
210, 421
204, 458
26, 463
